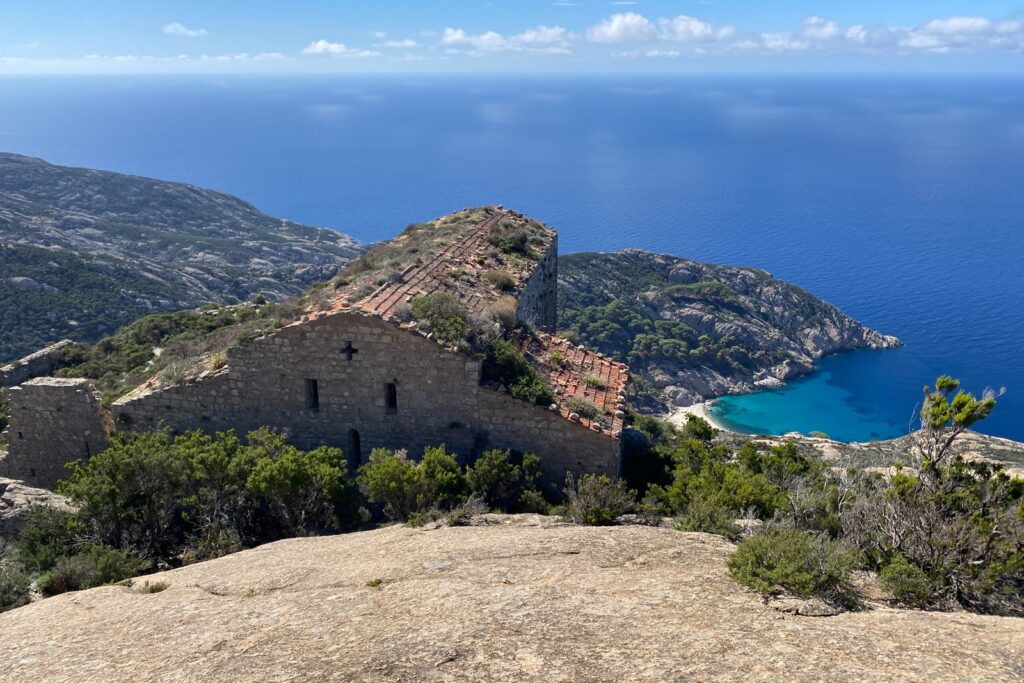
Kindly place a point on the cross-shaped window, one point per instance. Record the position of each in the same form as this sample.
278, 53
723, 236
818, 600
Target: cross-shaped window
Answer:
349, 351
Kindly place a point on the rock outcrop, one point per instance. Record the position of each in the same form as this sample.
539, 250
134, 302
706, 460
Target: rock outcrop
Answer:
693, 331
523, 599
17, 498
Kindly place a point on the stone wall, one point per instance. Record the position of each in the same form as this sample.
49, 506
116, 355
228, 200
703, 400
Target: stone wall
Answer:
538, 302
563, 446
301, 381
42, 362
52, 422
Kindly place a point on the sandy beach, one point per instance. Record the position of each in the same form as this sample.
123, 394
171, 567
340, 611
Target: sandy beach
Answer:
678, 416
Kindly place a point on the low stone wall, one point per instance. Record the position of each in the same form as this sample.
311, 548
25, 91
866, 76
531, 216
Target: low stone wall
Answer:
41, 363
52, 422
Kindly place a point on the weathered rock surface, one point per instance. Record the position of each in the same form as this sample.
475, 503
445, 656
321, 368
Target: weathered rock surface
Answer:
16, 498
761, 331
525, 599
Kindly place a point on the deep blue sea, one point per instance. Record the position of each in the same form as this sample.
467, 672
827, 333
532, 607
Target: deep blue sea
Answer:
900, 200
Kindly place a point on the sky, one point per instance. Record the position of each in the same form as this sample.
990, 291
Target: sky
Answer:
516, 36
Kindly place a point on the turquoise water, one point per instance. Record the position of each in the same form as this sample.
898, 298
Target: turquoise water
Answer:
849, 398
897, 199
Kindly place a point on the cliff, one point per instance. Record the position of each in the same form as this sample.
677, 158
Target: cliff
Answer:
84, 252
692, 331
522, 598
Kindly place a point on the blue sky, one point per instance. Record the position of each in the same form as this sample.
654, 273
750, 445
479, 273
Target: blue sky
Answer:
318, 36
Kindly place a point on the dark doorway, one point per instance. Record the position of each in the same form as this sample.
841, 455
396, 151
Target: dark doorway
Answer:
355, 449
312, 395
391, 398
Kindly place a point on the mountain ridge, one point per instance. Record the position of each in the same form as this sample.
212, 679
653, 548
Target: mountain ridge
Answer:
95, 250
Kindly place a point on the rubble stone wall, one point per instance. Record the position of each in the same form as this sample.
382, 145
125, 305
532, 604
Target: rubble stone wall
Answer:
52, 422
42, 362
538, 302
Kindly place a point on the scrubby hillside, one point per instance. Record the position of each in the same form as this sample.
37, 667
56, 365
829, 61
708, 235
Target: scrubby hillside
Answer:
693, 331
83, 252
522, 599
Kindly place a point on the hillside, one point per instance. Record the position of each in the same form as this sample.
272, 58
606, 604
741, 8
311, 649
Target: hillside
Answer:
692, 331
84, 252
521, 599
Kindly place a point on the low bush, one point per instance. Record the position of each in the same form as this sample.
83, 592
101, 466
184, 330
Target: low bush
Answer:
501, 279
504, 482
596, 500
406, 490
583, 407
99, 565
443, 314
709, 517
14, 585
47, 535
908, 584
796, 562
506, 365
148, 588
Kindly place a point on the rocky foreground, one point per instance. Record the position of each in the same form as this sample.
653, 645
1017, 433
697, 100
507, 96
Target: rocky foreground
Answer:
519, 598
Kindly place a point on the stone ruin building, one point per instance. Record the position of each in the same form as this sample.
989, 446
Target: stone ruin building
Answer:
356, 372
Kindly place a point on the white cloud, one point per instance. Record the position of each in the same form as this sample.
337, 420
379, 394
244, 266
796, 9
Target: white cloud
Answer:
488, 41
631, 27
628, 27
940, 36
816, 28
544, 35
177, 29
405, 44
684, 29
539, 40
324, 47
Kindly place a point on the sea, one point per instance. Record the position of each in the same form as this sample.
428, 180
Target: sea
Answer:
899, 199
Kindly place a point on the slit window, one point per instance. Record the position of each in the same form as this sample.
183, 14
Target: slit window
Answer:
391, 398
312, 395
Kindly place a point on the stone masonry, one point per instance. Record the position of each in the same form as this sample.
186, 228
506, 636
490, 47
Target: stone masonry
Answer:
42, 362
358, 382
52, 422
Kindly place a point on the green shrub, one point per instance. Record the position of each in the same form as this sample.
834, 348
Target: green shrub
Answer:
306, 490
583, 407
594, 381
699, 428
98, 566
501, 279
155, 587
390, 479
407, 491
14, 585
443, 484
444, 314
800, 563
910, 585
504, 484
596, 500
47, 535
515, 241
506, 365
709, 517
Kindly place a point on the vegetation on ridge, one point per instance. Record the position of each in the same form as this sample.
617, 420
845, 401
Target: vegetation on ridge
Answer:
84, 252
